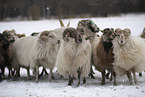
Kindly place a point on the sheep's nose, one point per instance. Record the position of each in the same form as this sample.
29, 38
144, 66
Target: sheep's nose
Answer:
121, 42
58, 41
80, 39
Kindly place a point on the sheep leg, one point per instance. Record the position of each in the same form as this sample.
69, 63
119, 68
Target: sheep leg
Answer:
129, 77
50, 76
18, 72
0, 77
114, 74
37, 73
3, 70
111, 77
79, 76
10, 71
15, 74
103, 77
134, 75
84, 80
28, 72
91, 73
107, 75
140, 74
70, 80
45, 71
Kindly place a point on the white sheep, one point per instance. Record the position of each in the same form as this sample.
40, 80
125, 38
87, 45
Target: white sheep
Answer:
85, 27
73, 58
89, 29
34, 51
129, 54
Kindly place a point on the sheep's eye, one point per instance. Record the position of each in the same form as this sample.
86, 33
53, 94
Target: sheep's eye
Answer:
51, 36
82, 30
46, 34
8, 36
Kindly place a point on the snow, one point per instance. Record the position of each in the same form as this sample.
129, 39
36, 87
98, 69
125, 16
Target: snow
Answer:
23, 87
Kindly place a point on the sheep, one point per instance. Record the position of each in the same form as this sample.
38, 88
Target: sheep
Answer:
44, 70
4, 57
74, 56
129, 54
33, 51
142, 36
89, 29
102, 53
86, 27
11, 36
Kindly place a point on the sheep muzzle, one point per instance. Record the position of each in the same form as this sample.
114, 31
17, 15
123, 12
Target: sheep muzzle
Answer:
121, 39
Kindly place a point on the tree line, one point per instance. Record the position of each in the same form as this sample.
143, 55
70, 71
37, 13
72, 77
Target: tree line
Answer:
37, 9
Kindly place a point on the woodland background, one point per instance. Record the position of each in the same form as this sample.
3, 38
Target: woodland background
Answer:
47, 9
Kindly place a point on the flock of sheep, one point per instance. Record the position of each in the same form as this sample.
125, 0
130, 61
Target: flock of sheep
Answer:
74, 51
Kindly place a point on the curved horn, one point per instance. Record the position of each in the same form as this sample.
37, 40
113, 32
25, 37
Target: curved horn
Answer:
61, 23
68, 24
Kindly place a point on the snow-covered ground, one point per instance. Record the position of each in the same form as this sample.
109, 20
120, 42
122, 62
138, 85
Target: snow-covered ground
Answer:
58, 86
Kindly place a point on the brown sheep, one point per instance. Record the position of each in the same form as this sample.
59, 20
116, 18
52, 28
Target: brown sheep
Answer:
102, 54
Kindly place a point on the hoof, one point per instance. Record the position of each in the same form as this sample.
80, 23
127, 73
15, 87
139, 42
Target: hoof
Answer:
103, 83
36, 81
115, 84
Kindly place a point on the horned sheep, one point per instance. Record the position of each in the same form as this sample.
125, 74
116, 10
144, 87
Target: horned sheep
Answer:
102, 53
85, 27
33, 51
129, 54
74, 56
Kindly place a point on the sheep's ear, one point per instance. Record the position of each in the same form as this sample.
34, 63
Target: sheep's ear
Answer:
128, 31
13, 31
61, 23
117, 30
6, 31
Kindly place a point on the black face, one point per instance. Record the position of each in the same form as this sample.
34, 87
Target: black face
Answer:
108, 34
90, 25
72, 33
3, 42
9, 37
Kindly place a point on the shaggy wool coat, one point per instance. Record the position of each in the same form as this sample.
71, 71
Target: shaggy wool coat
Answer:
73, 56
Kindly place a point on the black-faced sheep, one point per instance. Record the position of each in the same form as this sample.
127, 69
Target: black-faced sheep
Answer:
129, 54
4, 57
74, 56
33, 51
11, 36
102, 53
